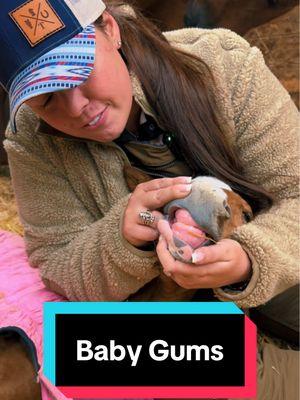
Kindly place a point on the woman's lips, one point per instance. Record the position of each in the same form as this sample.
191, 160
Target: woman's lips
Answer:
97, 121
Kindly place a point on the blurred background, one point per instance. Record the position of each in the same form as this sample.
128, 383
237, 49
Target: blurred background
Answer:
271, 25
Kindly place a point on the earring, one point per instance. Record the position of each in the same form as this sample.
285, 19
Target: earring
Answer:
119, 43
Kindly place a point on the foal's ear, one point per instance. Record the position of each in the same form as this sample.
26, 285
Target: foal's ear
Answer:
133, 177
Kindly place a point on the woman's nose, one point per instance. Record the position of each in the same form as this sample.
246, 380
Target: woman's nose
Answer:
74, 102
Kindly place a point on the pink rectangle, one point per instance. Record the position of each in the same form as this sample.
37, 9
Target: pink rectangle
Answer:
250, 355
156, 392
192, 392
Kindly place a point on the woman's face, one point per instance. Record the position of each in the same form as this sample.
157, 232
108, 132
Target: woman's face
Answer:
99, 108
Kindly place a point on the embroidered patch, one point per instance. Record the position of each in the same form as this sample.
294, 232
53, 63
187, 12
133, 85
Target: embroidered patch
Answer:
37, 20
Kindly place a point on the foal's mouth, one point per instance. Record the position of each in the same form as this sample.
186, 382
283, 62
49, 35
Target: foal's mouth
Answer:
186, 230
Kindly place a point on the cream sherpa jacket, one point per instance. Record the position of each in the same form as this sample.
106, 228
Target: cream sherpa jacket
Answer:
71, 194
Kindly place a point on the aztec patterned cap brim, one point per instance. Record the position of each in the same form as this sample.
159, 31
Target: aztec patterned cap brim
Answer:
47, 45
64, 67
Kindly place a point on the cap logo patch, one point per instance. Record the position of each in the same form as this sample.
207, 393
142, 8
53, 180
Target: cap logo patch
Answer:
37, 20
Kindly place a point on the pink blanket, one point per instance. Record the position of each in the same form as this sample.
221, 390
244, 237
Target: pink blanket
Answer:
22, 294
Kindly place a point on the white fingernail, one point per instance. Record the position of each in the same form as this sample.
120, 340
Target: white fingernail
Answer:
196, 257
186, 188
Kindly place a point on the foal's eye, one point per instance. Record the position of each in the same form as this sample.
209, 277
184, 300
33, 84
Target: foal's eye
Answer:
247, 216
228, 210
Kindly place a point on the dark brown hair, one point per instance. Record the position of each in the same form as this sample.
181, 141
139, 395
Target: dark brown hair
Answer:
178, 87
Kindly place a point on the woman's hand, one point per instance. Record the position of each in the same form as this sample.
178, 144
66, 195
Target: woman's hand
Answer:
151, 195
214, 266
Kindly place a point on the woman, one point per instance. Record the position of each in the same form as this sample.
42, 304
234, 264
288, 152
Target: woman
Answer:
221, 112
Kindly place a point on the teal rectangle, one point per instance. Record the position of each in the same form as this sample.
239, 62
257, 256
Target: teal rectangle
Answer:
142, 308
49, 342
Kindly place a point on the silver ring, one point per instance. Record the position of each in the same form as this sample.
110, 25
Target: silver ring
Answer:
147, 217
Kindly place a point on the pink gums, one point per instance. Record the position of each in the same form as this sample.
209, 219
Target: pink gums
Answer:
187, 230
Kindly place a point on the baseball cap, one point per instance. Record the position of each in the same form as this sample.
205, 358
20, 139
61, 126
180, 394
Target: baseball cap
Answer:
46, 46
